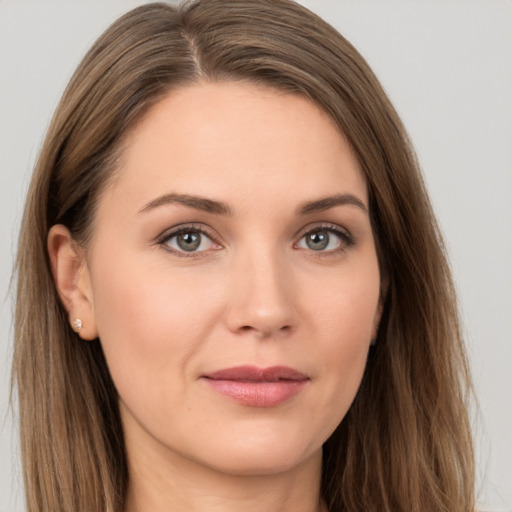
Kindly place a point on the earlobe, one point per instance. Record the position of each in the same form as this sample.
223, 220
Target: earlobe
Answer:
72, 280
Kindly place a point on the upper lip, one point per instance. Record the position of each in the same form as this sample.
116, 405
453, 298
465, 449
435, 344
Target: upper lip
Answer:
255, 374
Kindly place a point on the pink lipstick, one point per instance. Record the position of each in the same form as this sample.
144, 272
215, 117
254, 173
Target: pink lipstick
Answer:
257, 387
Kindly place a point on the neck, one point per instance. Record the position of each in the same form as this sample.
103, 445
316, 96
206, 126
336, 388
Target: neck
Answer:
177, 484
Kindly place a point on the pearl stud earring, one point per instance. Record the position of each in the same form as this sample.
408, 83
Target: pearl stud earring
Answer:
77, 325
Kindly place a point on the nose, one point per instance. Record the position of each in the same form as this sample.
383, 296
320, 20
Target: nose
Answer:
261, 297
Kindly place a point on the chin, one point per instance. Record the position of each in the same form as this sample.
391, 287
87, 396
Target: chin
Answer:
264, 456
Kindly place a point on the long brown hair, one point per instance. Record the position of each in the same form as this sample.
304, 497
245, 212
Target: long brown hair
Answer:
405, 444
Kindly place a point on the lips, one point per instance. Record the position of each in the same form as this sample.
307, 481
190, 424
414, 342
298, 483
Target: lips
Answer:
257, 387
254, 374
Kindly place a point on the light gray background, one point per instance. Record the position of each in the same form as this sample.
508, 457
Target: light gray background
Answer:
446, 65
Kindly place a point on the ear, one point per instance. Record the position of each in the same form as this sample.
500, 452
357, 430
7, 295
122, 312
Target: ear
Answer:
72, 279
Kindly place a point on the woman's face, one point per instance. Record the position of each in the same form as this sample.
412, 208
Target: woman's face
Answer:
233, 280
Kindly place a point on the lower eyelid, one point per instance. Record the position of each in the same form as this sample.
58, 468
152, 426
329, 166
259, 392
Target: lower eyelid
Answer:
341, 244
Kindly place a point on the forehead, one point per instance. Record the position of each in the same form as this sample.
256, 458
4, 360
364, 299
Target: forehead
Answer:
232, 137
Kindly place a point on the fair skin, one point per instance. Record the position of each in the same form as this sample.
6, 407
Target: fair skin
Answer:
266, 276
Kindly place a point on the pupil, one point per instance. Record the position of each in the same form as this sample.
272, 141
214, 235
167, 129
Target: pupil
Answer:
189, 241
318, 241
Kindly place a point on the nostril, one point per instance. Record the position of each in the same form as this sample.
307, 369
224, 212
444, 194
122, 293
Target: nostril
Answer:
285, 329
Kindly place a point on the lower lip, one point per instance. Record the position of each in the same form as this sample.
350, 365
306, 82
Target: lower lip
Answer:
258, 394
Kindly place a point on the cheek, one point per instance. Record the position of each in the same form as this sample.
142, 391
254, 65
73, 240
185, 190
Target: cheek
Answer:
148, 322
345, 306
345, 314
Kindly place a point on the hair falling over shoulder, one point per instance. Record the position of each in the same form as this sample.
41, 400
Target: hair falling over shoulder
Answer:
405, 444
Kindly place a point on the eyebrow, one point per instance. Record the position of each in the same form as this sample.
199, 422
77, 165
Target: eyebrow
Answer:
219, 208
325, 203
190, 201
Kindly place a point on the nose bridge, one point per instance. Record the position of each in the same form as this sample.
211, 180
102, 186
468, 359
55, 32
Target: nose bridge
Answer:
262, 292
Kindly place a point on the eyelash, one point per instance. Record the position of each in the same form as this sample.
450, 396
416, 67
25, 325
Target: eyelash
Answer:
164, 239
346, 239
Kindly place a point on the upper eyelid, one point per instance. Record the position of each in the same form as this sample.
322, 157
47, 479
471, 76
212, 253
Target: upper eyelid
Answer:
168, 234
329, 226
180, 228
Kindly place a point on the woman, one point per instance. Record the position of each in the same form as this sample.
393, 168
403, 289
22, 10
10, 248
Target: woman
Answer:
239, 296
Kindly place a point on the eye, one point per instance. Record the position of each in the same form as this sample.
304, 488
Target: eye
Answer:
188, 240
325, 239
